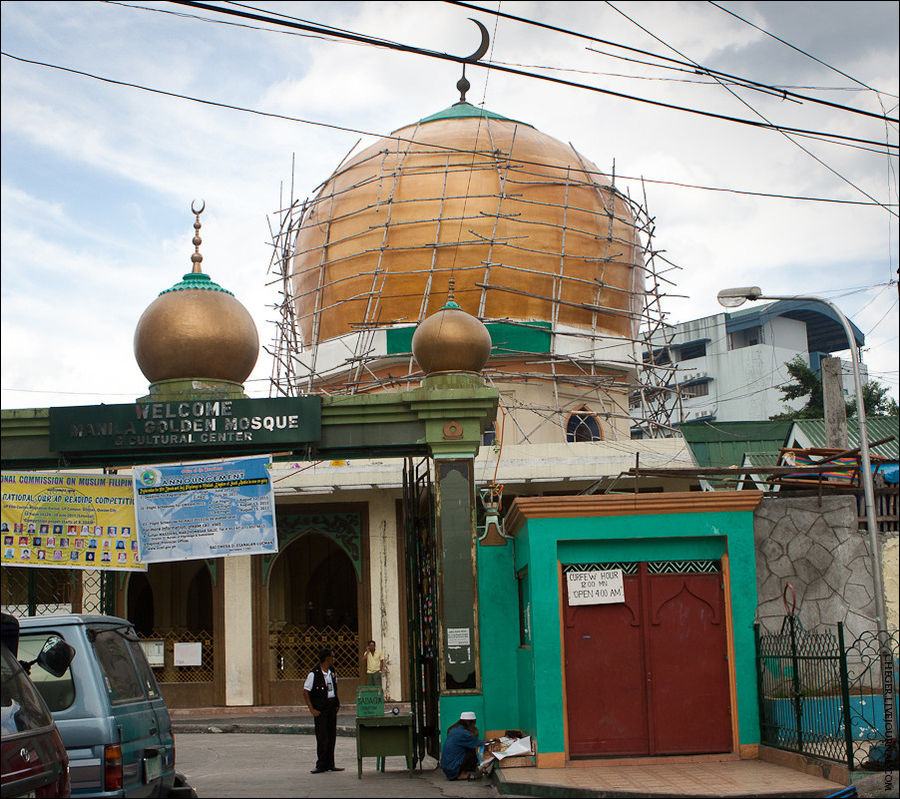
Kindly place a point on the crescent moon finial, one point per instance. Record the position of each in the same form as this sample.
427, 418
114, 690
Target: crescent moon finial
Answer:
197, 258
483, 47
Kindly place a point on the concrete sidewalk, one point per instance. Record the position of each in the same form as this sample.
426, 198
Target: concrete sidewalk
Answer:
659, 778
285, 720
745, 778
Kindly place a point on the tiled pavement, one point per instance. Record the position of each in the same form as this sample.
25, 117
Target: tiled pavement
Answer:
720, 778
727, 778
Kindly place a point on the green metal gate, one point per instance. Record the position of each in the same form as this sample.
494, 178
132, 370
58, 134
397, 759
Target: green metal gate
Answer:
823, 697
40, 591
422, 606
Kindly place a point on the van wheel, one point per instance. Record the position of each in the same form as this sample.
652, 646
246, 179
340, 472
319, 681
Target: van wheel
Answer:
181, 789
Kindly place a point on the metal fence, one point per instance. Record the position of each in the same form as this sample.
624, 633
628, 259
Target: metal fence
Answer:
822, 697
39, 591
294, 649
161, 649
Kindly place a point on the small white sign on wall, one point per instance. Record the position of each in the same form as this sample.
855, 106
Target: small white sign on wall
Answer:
155, 652
188, 654
595, 587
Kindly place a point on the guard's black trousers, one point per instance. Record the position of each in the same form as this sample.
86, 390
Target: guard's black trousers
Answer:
326, 736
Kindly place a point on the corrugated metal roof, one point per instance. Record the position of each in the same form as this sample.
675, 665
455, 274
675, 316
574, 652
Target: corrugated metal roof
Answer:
724, 443
769, 457
878, 427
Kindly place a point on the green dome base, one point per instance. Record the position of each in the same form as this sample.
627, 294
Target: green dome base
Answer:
193, 388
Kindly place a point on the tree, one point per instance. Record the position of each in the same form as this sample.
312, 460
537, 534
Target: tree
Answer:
875, 400
808, 383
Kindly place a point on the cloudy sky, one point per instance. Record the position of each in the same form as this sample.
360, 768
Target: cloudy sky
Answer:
98, 178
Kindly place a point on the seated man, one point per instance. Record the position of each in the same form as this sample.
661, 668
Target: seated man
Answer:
459, 756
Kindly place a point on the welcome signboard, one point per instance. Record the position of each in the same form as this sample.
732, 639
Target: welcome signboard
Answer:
249, 424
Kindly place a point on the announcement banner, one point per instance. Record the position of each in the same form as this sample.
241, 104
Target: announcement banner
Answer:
72, 521
205, 510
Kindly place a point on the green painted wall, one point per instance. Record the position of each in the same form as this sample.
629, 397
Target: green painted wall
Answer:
498, 598
505, 337
523, 686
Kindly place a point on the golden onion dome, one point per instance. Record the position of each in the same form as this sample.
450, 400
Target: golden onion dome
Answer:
530, 228
451, 340
196, 330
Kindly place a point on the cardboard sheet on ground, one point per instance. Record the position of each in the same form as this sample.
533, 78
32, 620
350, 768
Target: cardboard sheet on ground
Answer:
520, 746
205, 510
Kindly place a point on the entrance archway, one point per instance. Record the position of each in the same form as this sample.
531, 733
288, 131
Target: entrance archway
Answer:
313, 601
140, 604
172, 606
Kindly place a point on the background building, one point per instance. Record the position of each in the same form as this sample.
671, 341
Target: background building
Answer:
727, 367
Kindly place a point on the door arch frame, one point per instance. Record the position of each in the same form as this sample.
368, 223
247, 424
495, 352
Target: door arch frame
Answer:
216, 570
347, 524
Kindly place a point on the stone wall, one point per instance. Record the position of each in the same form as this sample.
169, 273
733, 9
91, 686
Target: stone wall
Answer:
815, 545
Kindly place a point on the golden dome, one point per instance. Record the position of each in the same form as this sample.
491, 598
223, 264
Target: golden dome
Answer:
451, 341
528, 227
196, 330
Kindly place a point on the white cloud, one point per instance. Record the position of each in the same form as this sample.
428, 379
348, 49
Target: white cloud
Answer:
98, 179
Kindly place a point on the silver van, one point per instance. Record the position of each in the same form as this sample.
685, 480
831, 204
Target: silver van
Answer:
108, 708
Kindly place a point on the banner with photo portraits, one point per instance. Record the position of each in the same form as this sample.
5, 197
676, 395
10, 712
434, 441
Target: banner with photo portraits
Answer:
71, 521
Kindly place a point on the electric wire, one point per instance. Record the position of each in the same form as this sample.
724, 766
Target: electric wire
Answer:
782, 131
776, 91
707, 70
510, 70
793, 47
363, 132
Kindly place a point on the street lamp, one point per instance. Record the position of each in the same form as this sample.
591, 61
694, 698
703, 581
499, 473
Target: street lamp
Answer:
734, 297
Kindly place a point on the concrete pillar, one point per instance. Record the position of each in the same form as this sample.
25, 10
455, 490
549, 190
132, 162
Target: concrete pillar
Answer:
459, 596
384, 586
835, 406
90, 591
238, 631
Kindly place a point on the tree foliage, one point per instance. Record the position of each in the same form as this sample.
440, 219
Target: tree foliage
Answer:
808, 383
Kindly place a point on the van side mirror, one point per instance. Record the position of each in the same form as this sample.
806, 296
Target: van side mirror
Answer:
56, 656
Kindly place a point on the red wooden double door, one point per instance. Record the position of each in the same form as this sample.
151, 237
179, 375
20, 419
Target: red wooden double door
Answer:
650, 676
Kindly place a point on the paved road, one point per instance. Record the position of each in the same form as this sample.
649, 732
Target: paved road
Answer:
254, 765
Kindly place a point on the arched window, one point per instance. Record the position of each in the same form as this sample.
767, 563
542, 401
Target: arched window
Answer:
583, 426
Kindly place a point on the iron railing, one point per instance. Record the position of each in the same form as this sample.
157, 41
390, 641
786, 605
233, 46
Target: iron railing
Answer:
422, 607
294, 650
822, 697
41, 591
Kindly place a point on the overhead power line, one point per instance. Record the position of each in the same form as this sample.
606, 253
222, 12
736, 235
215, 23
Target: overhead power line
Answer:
692, 66
793, 47
761, 116
462, 59
361, 131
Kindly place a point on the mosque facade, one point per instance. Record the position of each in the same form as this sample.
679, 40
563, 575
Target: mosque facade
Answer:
466, 297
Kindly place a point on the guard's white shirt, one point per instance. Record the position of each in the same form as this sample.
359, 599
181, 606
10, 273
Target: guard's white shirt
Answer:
329, 683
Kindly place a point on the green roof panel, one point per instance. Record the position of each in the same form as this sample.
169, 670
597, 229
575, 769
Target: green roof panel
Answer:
878, 428
466, 111
724, 443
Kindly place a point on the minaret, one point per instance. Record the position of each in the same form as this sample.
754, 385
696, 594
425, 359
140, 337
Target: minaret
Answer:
196, 339
451, 340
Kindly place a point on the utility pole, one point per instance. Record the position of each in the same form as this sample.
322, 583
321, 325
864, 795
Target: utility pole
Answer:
835, 405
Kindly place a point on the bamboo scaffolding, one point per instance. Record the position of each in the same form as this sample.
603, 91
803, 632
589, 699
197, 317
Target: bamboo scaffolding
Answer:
602, 374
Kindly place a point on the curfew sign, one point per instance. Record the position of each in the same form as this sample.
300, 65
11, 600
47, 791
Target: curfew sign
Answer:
595, 587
